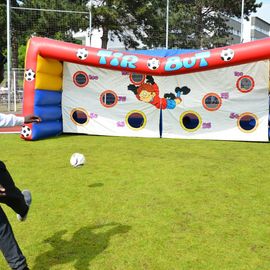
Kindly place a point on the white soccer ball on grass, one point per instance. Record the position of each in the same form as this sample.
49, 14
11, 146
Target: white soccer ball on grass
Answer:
77, 160
26, 131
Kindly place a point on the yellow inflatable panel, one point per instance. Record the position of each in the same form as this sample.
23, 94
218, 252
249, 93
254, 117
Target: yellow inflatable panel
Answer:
49, 66
48, 82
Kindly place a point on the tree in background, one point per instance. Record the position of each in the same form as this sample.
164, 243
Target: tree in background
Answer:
192, 23
127, 20
47, 22
203, 23
3, 26
56, 25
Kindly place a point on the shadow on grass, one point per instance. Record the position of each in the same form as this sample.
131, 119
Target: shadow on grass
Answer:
85, 245
96, 185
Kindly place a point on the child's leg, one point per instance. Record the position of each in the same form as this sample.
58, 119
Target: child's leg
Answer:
13, 198
9, 245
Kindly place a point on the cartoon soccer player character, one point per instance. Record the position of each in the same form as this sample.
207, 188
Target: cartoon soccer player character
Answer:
149, 93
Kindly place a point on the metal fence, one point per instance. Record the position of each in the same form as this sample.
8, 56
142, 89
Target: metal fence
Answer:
11, 89
11, 99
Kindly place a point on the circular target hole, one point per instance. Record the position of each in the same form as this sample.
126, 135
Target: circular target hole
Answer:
80, 79
136, 78
108, 98
79, 116
245, 84
136, 120
247, 122
190, 121
212, 102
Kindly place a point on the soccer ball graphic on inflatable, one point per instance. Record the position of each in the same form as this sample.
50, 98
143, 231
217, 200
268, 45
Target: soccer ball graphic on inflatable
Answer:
153, 63
77, 160
227, 54
82, 53
26, 131
29, 75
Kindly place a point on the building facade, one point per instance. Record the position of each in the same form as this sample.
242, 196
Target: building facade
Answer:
235, 30
259, 28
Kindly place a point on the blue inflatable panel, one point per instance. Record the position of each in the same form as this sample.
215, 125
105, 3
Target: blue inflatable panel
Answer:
164, 53
46, 129
48, 113
47, 97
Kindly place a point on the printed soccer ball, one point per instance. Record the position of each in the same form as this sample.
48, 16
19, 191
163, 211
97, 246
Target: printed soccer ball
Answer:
26, 131
29, 75
153, 63
77, 160
82, 53
227, 54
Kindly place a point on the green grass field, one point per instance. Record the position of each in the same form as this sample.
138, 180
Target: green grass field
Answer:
139, 203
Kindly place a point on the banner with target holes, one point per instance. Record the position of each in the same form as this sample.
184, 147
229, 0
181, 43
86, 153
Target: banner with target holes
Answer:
223, 104
97, 101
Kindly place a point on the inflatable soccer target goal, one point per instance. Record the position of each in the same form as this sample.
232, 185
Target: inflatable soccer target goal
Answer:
219, 94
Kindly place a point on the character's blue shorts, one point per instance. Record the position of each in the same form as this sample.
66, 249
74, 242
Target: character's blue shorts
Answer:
170, 104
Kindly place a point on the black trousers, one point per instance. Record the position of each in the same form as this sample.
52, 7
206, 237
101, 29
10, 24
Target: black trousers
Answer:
15, 200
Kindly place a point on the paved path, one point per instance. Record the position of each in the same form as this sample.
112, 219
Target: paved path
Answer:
10, 130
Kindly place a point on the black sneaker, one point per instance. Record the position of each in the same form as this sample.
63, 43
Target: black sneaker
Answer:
28, 200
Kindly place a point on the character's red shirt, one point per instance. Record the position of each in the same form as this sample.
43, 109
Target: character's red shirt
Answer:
156, 101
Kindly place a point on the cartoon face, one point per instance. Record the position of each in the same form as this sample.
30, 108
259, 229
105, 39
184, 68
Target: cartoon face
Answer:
146, 96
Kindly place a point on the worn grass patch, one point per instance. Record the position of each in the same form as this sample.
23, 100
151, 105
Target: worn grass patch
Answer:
155, 204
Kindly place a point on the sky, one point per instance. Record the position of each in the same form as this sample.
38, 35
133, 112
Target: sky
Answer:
264, 11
